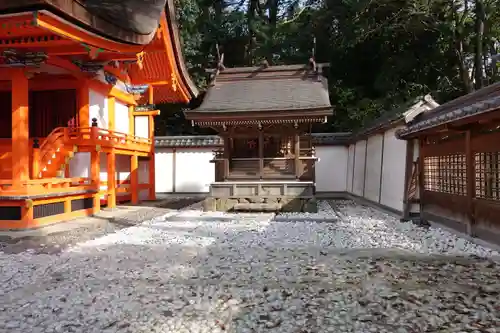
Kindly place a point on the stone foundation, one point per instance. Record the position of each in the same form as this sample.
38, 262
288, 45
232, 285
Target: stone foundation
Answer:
286, 204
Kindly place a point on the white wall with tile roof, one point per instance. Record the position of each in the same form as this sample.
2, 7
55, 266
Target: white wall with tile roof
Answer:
190, 171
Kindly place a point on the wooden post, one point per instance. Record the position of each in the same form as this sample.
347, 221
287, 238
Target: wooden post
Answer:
226, 157
134, 179
261, 153
151, 164
470, 181
297, 155
174, 169
111, 113
408, 173
131, 120
35, 167
364, 171
20, 129
83, 104
353, 167
111, 164
381, 179
150, 94
95, 177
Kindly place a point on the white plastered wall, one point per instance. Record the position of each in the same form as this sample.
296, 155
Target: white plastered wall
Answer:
98, 108
373, 167
331, 168
141, 126
121, 118
164, 170
359, 168
393, 171
193, 171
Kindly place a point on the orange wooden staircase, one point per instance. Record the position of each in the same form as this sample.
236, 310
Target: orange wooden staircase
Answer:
55, 153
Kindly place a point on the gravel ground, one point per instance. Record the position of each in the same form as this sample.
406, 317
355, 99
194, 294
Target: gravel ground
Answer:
357, 271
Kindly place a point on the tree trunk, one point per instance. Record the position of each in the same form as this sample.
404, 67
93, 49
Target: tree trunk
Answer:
251, 18
478, 57
273, 21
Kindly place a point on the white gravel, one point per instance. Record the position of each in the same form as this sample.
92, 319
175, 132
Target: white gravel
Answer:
359, 270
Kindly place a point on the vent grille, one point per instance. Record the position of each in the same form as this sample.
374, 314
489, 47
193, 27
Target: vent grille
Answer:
10, 213
49, 209
81, 204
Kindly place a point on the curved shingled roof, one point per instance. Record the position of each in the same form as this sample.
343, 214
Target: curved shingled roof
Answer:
479, 102
127, 21
264, 89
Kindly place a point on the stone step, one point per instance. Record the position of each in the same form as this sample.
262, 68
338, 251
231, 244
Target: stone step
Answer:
257, 207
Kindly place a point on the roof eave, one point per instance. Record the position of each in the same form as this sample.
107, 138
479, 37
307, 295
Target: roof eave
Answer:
196, 115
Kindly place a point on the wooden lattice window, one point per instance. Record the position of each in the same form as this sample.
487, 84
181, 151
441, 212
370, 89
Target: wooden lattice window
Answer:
487, 167
446, 174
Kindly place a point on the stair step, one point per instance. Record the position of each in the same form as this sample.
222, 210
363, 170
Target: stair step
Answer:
257, 207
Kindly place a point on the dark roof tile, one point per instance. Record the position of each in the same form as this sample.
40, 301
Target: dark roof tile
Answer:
266, 89
216, 141
476, 103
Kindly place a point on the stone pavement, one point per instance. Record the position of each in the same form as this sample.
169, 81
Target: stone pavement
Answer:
187, 271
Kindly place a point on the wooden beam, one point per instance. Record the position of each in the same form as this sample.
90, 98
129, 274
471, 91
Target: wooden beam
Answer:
108, 90
63, 28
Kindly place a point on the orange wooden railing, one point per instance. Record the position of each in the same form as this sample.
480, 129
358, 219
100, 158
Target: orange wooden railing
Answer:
107, 138
45, 186
55, 150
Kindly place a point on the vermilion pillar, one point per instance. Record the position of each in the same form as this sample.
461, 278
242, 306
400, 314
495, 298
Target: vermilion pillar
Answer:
111, 113
134, 178
95, 177
20, 128
111, 164
83, 104
131, 119
151, 164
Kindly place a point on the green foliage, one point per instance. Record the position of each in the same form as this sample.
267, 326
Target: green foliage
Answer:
382, 53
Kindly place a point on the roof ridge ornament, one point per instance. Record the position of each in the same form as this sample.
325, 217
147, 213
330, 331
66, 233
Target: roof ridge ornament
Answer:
220, 65
312, 59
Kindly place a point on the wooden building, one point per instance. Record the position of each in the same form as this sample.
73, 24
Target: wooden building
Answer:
264, 116
459, 174
78, 81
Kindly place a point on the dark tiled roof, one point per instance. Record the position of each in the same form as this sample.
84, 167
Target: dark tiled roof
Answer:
331, 139
188, 141
266, 89
216, 141
473, 104
395, 115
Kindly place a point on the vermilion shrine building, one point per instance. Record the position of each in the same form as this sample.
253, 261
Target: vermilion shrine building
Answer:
77, 85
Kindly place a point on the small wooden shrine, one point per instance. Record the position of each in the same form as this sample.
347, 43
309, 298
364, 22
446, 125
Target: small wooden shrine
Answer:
264, 116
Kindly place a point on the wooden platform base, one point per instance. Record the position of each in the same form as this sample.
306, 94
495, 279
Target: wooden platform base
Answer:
287, 196
30, 213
